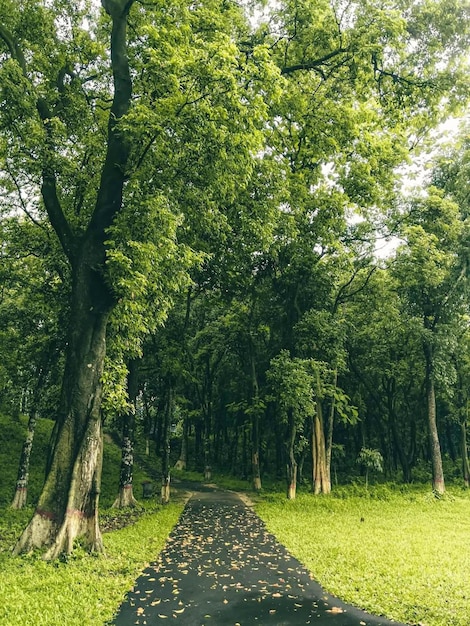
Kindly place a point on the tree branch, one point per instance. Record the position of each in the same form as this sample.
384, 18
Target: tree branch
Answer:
342, 296
113, 174
49, 183
15, 51
315, 65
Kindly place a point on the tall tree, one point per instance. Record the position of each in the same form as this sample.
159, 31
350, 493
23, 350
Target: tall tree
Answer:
432, 281
75, 135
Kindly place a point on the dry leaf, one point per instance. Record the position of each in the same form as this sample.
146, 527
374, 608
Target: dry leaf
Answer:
335, 609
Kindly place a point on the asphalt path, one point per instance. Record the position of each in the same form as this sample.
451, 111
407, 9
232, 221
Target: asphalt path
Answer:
221, 567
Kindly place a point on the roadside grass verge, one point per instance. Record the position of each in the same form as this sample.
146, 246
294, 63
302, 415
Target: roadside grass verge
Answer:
83, 589
394, 551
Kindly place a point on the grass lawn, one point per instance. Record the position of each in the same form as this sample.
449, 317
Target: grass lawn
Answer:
392, 550
82, 590
397, 552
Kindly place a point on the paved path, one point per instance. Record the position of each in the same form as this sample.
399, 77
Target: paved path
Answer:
221, 567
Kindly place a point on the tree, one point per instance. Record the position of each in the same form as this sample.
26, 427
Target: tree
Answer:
68, 505
291, 390
102, 126
370, 460
431, 281
126, 493
89, 152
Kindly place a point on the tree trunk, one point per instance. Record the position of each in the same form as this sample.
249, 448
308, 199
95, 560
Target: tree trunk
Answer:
321, 481
321, 478
126, 495
389, 386
68, 505
465, 460
329, 438
182, 462
255, 467
165, 492
21, 491
291, 462
438, 484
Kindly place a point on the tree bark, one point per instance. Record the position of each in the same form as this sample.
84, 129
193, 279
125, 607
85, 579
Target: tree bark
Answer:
291, 461
438, 483
329, 438
165, 491
464, 447
68, 505
182, 462
321, 481
21, 491
255, 467
126, 497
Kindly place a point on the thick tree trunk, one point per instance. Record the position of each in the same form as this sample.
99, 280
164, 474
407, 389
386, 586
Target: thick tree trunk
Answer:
321, 477
68, 505
438, 483
126, 497
321, 481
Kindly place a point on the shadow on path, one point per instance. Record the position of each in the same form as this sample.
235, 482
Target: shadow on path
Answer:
221, 567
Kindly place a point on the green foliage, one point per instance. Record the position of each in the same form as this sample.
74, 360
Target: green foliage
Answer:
370, 459
291, 387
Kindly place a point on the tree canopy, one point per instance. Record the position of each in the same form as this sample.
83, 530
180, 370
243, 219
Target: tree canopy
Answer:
201, 190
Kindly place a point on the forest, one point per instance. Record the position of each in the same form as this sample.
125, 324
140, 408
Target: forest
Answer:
238, 233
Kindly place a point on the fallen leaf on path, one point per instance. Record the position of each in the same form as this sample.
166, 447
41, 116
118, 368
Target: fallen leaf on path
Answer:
335, 609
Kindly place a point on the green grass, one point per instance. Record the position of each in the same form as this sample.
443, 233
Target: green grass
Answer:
394, 551
400, 553
82, 590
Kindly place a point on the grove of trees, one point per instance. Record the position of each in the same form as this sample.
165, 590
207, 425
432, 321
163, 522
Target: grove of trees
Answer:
191, 200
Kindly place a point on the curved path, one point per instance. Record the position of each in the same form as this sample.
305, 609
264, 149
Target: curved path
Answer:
221, 567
